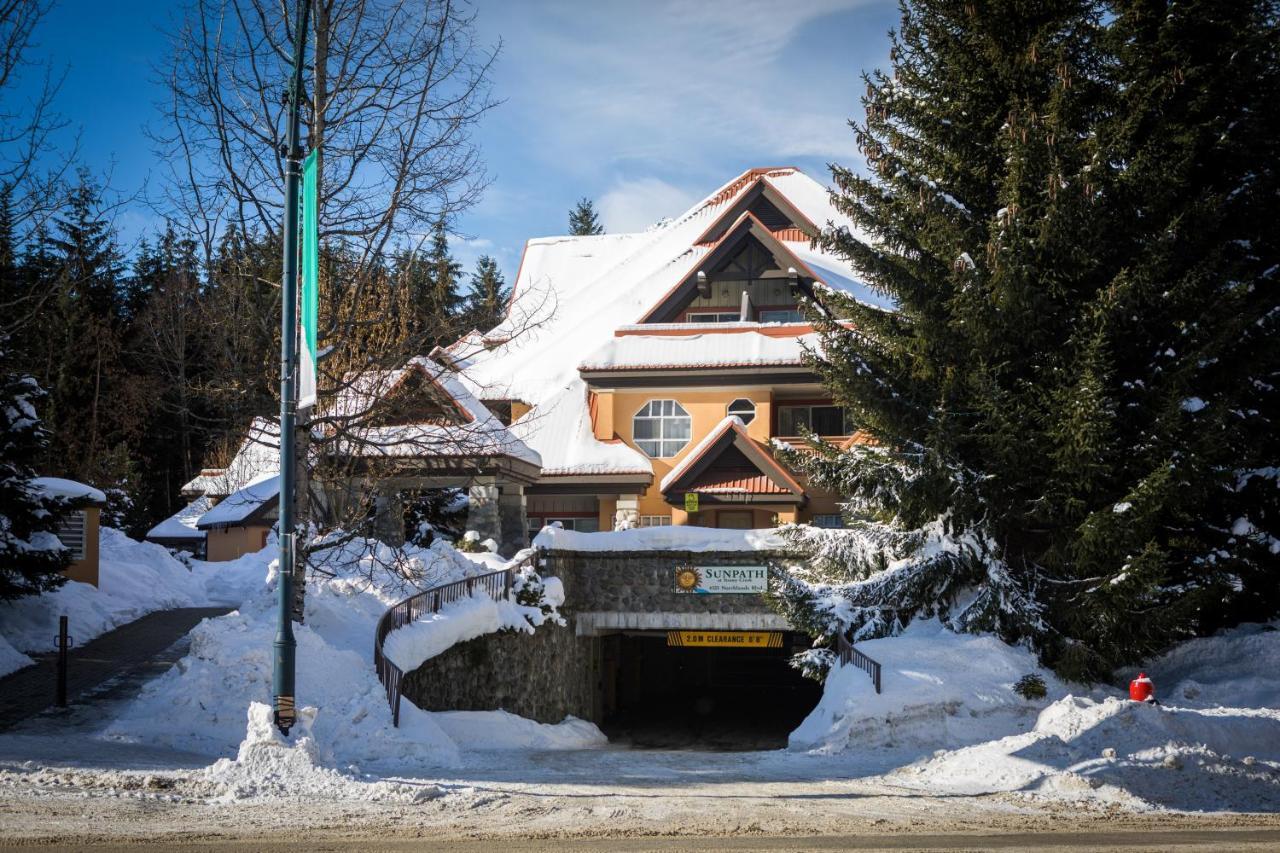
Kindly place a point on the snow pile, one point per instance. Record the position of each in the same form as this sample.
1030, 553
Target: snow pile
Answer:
11, 659
667, 538
499, 730
268, 766
198, 705
940, 690
474, 616
1128, 753
1236, 668
134, 578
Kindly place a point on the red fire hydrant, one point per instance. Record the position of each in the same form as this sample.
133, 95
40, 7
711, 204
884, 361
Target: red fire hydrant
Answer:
1141, 689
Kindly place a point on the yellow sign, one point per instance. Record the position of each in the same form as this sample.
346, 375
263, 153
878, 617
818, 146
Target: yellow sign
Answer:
690, 501
735, 639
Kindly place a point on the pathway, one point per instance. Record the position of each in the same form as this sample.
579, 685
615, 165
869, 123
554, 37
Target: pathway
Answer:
103, 668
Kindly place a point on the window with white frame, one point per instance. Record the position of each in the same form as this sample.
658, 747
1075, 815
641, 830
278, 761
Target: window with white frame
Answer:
822, 420
661, 428
833, 521
655, 521
743, 409
70, 531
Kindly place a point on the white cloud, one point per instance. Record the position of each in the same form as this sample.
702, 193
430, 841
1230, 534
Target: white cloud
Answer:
633, 205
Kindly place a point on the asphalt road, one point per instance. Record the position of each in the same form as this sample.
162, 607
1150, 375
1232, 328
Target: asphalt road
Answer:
1218, 840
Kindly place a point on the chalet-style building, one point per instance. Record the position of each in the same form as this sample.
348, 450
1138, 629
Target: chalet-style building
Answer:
651, 371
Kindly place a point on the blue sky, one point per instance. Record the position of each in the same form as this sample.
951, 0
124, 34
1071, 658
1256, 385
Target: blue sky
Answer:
642, 106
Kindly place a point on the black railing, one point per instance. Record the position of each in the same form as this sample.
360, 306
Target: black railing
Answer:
496, 584
849, 654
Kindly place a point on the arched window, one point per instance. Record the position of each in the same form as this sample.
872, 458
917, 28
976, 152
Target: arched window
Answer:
743, 409
661, 428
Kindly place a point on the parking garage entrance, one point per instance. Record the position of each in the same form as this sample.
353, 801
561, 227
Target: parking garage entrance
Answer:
730, 690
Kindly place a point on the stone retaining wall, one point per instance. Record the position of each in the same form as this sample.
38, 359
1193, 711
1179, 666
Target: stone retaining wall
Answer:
554, 672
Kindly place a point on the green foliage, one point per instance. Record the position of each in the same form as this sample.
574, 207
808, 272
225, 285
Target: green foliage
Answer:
487, 299
31, 557
1072, 205
583, 220
1030, 687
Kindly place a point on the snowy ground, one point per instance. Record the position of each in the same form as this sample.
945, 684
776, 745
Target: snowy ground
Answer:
947, 745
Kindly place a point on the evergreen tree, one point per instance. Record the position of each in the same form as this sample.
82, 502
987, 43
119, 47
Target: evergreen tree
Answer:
31, 557
583, 220
487, 300
445, 276
1036, 403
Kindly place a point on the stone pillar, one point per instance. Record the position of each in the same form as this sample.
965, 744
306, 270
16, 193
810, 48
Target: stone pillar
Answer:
627, 515
513, 519
483, 515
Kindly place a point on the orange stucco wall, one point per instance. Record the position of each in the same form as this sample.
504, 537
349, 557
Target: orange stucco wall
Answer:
86, 570
232, 542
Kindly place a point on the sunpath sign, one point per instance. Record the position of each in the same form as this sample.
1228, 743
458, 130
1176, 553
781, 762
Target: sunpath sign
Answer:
708, 580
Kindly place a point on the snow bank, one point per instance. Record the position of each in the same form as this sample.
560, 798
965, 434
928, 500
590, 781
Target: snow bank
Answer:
1238, 668
667, 538
134, 578
940, 690
1126, 753
11, 659
199, 704
269, 767
500, 730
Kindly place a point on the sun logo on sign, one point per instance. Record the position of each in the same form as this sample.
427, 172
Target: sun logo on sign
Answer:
687, 578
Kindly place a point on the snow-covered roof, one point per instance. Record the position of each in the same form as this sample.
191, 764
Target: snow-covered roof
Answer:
182, 524
259, 454
476, 432
244, 504
57, 487
571, 293
747, 348
560, 430
671, 537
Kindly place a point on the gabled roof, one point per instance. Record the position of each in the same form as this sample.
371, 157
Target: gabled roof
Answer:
248, 505
181, 526
746, 227
477, 433
760, 188
752, 471
572, 292
259, 454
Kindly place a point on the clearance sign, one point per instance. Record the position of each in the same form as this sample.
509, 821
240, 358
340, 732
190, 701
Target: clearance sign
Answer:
735, 639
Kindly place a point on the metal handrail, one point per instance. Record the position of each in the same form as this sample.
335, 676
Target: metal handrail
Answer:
498, 586
849, 653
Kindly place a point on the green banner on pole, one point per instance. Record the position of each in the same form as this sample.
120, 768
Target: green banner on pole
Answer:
309, 313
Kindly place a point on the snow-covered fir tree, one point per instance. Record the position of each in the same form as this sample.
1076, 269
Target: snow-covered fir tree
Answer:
1069, 417
583, 219
31, 556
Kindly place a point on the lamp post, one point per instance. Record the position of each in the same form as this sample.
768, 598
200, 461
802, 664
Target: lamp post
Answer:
282, 677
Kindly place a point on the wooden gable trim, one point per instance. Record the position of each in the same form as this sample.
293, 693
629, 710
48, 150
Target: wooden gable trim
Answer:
733, 434
803, 225
443, 397
747, 225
